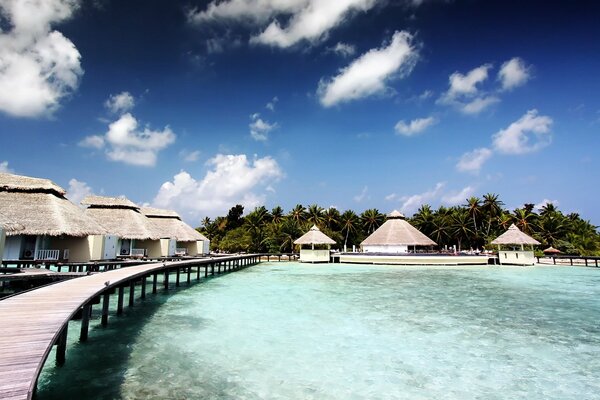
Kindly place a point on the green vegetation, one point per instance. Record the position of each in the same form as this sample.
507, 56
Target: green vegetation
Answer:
470, 226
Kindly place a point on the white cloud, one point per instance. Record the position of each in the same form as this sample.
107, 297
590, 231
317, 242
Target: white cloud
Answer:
189, 156
513, 73
126, 143
368, 74
343, 49
120, 103
539, 206
4, 167
415, 126
410, 204
271, 105
308, 20
464, 92
456, 198
363, 195
479, 104
77, 191
472, 161
528, 134
259, 129
93, 141
391, 197
231, 179
39, 67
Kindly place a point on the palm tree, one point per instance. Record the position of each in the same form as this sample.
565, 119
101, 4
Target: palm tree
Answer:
441, 227
525, 220
371, 220
492, 207
289, 231
461, 226
298, 213
315, 215
474, 209
332, 219
349, 221
423, 219
277, 214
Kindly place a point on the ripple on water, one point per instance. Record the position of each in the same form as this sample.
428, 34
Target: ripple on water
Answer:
291, 331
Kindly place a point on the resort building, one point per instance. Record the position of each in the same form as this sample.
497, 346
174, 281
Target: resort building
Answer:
6, 225
177, 237
49, 227
395, 236
314, 246
130, 231
511, 247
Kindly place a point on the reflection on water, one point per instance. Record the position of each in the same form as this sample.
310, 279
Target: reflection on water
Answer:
291, 331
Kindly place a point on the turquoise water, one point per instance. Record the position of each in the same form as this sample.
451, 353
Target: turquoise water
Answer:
291, 331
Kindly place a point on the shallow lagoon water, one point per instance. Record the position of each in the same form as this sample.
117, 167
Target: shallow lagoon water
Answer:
291, 331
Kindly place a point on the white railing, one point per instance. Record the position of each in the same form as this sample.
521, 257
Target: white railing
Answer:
181, 251
138, 252
47, 254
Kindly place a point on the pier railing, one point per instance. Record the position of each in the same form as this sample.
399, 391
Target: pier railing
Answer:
587, 261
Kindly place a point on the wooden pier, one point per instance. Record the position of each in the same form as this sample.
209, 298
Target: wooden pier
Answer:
31, 323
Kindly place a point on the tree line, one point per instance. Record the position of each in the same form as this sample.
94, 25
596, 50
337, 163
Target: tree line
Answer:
472, 225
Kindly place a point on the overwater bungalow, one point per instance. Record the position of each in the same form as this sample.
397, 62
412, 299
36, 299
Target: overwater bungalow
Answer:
511, 247
49, 227
314, 246
128, 227
395, 236
177, 237
6, 225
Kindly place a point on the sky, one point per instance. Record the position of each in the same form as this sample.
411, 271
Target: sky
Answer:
200, 105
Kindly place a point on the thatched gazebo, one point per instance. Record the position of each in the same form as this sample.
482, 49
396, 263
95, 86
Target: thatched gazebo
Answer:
320, 245
395, 236
122, 218
516, 241
45, 225
184, 240
551, 251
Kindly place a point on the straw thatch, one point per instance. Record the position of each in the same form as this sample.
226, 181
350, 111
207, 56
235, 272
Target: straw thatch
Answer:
168, 224
314, 236
551, 250
397, 231
46, 214
514, 236
8, 224
21, 183
120, 216
109, 202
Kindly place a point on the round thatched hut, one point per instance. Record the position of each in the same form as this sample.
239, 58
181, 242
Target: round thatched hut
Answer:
395, 236
511, 247
314, 246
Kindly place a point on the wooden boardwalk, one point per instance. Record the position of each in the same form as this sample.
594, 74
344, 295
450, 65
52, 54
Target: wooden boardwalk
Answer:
32, 322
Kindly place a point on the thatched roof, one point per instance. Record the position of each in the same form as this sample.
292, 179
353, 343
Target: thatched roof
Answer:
314, 236
397, 231
109, 202
8, 224
21, 183
168, 224
551, 250
48, 214
121, 217
514, 236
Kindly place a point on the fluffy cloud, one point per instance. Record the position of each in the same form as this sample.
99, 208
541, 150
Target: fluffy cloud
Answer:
38, 66
343, 49
460, 197
414, 127
78, 190
540, 206
464, 91
364, 194
513, 73
368, 74
4, 167
410, 204
472, 161
231, 179
271, 105
309, 20
259, 129
126, 143
120, 103
529, 133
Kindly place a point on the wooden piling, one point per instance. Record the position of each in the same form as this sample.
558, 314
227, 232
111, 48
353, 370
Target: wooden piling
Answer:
143, 295
61, 345
189, 272
86, 311
105, 303
166, 280
177, 280
131, 293
154, 282
120, 300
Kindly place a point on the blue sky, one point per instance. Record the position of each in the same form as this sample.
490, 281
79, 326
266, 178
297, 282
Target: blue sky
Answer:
197, 106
